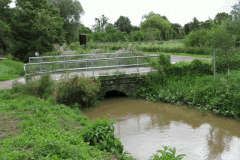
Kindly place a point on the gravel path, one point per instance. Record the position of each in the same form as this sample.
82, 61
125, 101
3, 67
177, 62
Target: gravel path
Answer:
174, 59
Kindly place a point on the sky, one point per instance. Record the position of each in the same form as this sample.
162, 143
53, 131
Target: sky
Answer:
177, 11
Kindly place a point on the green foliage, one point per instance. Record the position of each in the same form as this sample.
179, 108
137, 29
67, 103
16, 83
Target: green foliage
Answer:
221, 17
123, 24
168, 155
196, 38
42, 30
81, 90
194, 68
42, 87
100, 23
166, 47
11, 69
74, 46
227, 60
70, 11
137, 36
158, 23
195, 25
101, 133
5, 37
193, 86
45, 130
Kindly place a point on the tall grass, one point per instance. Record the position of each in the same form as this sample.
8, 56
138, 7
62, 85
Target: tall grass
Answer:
10, 69
168, 47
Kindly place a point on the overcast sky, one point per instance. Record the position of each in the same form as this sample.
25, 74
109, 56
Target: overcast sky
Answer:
177, 11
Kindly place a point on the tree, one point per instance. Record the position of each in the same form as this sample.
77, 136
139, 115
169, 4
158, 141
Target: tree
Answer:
233, 26
70, 11
5, 30
196, 38
195, 25
137, 35
236, 12
207, 25
123, 24
84, 30
5, 34
176, 29
223, 41
135, 28
187, 28
100, 23
159, 25
4, 7
110, 30
36, 26
221, 17
146, 16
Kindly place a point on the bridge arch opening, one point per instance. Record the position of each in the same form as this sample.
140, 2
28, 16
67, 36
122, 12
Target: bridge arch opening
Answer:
114, 93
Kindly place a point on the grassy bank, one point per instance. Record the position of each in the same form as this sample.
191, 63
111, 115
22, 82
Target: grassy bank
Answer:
193, 84
11, 69
32, 128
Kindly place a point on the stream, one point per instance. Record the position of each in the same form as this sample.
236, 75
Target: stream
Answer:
144, 127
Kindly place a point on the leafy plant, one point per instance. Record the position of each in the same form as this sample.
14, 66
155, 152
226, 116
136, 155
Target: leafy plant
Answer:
166, 155
101, 133
81, 90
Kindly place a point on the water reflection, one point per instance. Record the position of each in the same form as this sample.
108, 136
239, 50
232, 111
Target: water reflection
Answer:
144, 127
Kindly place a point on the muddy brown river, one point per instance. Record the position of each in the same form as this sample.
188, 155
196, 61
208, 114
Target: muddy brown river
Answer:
144, 127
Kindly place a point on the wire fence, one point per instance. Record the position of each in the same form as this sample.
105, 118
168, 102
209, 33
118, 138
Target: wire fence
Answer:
88, 63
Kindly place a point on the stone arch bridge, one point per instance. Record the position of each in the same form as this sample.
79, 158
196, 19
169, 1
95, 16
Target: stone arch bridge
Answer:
123, 83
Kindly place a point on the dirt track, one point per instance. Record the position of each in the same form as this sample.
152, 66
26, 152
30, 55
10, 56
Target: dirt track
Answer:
174, 59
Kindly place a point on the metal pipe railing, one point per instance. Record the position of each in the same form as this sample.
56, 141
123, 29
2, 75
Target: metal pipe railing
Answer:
41, 67
79, 55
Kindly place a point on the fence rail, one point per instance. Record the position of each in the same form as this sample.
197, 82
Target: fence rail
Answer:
138, 62
77, 57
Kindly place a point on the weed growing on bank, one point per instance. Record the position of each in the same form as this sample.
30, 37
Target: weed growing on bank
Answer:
101, 133
168, 154
68, 90
81, 90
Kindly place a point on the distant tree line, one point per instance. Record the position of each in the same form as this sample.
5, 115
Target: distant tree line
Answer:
36, 25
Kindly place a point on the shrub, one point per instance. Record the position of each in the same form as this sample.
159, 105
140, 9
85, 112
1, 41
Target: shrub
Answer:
196, 38
101, 133
42, 87
81, 90
74, 46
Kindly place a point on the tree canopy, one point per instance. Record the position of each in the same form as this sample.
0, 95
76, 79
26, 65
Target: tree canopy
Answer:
158, 24
70, 11
123, 24
100, 23
37, 26
221, 17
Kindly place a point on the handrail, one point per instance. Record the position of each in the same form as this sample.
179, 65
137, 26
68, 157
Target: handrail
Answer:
86, 62
79, 55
